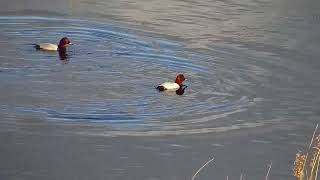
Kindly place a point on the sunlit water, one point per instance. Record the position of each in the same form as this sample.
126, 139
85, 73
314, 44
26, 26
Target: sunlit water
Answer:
249, 65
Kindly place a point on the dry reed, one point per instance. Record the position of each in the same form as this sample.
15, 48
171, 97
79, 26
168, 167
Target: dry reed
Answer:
306, 165
205, 164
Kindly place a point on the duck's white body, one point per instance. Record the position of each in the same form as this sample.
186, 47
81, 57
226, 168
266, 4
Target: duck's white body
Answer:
48, 46
170, 86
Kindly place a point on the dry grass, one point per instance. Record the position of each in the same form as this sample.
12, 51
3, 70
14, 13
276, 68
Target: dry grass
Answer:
306, 165
205, 164
269, 170
210, 160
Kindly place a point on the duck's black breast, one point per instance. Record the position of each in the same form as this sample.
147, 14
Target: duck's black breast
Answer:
180, 91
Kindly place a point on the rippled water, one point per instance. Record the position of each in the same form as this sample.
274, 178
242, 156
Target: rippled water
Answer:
110, 74
249, 65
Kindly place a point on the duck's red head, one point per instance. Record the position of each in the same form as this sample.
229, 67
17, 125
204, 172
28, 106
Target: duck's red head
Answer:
180, 78
64, 42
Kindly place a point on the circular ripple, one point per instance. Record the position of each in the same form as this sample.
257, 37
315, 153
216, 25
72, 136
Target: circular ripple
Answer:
110, 75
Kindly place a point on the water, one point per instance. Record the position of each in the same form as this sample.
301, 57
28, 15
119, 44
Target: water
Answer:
252, 96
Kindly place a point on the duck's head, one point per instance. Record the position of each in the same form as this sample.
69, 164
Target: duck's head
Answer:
64, 42
179, 79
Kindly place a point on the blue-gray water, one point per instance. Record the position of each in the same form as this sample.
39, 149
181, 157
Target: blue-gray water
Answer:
252, 97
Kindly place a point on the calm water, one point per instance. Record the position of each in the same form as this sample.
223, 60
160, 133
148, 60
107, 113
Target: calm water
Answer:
253, 82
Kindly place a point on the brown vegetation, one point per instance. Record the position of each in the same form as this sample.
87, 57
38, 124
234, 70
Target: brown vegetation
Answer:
306, 165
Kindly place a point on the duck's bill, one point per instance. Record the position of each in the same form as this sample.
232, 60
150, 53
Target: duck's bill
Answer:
70, 44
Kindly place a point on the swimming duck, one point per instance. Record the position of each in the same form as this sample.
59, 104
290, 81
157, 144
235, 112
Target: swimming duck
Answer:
64, 42
172, 86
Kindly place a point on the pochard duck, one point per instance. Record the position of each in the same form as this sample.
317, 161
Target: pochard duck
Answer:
61, 47
173, 86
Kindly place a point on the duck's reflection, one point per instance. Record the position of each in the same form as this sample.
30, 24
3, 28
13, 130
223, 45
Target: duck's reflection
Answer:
63, 56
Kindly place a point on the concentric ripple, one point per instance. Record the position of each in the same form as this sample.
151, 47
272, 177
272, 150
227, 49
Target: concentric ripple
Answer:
108, 79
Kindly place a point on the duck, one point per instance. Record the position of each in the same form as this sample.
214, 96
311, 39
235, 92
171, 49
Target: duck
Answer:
61, 47
173, 86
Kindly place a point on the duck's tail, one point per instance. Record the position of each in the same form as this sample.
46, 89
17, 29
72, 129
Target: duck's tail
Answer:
37, 46
161, 88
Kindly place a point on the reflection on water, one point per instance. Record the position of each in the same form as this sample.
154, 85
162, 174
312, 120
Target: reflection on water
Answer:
63, 56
